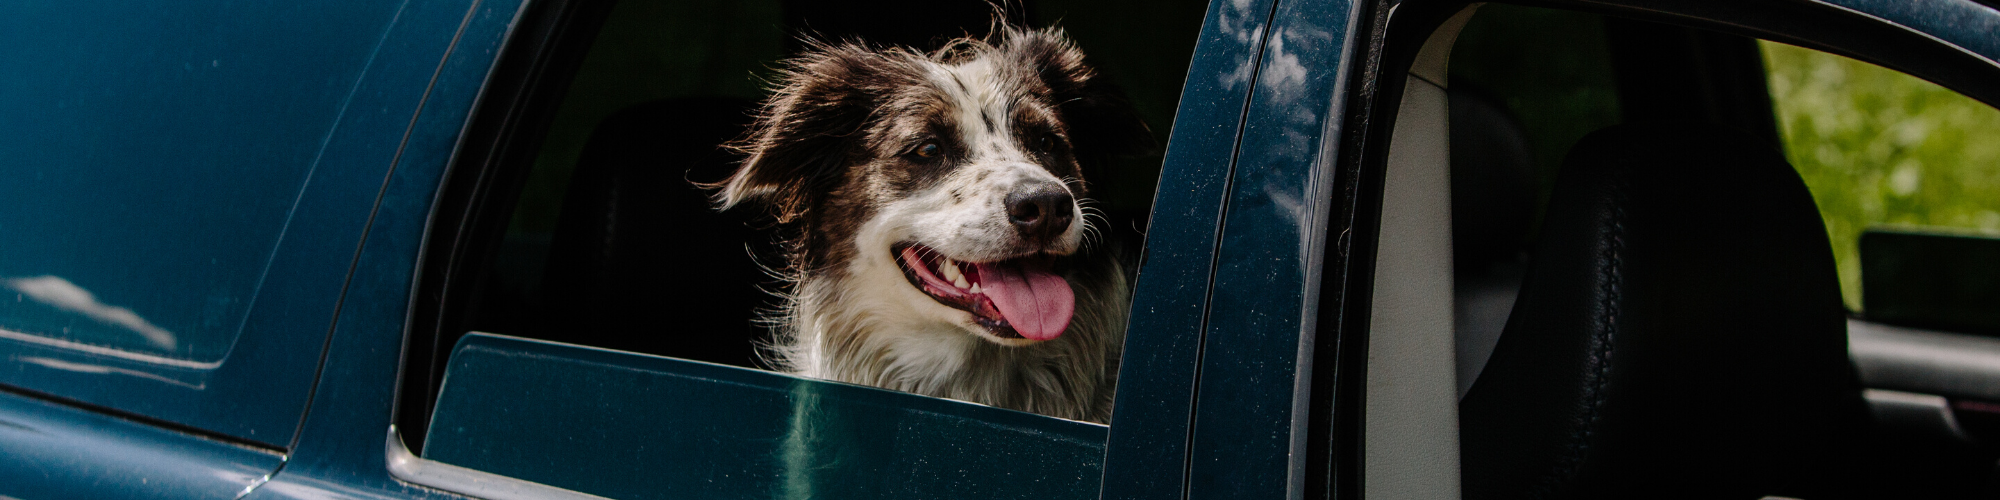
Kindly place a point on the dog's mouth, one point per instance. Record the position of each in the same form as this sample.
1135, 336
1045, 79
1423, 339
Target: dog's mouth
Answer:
1019, 298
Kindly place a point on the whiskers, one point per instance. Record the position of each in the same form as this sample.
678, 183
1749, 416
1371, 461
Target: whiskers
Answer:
1093, 222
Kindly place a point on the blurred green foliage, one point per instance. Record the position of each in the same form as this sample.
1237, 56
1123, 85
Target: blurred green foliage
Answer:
1878, 147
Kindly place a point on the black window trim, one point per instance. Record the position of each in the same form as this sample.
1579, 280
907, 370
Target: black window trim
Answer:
515, 109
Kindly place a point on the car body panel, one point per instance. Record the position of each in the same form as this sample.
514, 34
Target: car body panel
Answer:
1963, 24
78, 453
1148, 449
340, 452
230, 214
1249, 422
361, 69
309, 275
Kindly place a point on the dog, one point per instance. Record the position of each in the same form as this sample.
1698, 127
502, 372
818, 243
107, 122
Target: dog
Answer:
933, 217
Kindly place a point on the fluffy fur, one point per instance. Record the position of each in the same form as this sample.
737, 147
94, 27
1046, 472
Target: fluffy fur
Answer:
863, 151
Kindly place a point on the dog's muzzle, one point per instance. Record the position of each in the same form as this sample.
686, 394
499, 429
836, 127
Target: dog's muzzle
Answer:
1019, 298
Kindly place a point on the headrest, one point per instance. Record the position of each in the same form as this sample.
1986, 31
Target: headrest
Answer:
1679, 334
1492, 179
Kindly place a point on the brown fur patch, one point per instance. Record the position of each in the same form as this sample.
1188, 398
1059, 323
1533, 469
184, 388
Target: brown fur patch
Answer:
850, 131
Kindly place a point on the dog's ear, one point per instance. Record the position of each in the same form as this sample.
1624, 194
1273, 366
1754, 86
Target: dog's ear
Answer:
804, 135
1102, 124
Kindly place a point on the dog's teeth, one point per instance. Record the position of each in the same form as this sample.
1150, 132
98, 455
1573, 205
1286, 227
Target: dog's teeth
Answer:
950, 270
975, 288
959, 282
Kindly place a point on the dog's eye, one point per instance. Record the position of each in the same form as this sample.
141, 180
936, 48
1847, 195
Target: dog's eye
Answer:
928, 150
1046, 143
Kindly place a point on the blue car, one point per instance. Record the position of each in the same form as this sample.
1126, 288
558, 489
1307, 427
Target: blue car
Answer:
1387, 249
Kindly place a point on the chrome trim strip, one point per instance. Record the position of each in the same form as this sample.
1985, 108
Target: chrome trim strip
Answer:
408, 467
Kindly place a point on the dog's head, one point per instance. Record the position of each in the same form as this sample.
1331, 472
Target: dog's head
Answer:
947, 186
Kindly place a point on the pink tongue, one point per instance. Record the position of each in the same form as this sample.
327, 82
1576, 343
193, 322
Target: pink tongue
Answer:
1036, 302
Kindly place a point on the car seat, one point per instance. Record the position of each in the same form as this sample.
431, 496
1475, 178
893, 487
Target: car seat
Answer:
1492, 209
1679, 333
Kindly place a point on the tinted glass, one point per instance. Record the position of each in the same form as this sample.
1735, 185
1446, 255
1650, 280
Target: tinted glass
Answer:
761, 434
1879, 147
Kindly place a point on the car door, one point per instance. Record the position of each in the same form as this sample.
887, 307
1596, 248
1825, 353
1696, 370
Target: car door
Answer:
511, 414
1255, 336
186, 188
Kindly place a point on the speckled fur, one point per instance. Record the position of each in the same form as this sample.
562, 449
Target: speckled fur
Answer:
832, 158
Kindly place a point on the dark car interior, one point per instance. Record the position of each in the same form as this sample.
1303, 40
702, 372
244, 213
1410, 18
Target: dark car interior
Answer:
1638, 265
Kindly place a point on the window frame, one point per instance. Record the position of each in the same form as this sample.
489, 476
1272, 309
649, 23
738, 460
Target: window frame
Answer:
519, 101
1354, 146
497, 146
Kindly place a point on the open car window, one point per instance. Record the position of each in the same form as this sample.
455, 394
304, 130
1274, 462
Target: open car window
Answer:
606, 327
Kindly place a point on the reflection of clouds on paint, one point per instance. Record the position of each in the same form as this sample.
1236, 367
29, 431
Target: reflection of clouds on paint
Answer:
1284, 75
1239, 24
1287, 203
58, 364
61, 294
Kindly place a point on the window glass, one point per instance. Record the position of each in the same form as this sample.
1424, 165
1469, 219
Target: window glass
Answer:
635, 427
1878, 147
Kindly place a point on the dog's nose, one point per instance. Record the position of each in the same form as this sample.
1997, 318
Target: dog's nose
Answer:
1041, 213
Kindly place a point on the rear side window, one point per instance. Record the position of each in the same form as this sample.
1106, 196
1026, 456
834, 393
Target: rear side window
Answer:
1882, 149
623, 324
